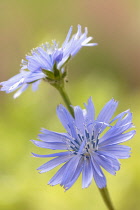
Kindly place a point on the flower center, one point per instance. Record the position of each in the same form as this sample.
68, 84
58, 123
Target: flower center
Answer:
84, 145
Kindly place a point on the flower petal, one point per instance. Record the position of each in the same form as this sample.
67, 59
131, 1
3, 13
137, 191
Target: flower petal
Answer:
50, 145
67, 37
120, 151
70, 169
107, 112
100, 180
67, 120
77, 173
54, 163
123, 118
52, 155
109, 164
90, 115
57, 178
79, 119
87, 173
32, 77
51, 136
118, 139
115, 131
107, 156
21, 90
95, 165
35, 85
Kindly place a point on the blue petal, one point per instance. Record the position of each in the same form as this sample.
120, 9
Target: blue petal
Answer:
104, 117
96, 166
32, 64
67, 37
57, 56
50, 145
85, 42
21, 90
46, 56
35, 85
76, 42
87, 173
34, 76
54, 163
75, 176
115, 131
52, 155
109, 164
70, 169
90, 115
63, 62
79, 119
118, 139
57, 178
90, 44
120, 151
99, 179
14, 79
50, 136
14, 83
37, 57
108, 111
111, 157
67, 120
123, 118
79, 32
76, 50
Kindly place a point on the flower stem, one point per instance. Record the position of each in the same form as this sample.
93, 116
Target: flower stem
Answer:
66, 99
105, 195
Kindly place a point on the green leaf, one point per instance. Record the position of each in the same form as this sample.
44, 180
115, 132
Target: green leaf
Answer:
64, 74
48, 73
56, 72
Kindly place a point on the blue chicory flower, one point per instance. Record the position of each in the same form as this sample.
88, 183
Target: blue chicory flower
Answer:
87, 145
44, 60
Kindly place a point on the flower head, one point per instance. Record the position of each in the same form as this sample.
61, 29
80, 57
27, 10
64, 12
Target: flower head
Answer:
88, 148
47, 62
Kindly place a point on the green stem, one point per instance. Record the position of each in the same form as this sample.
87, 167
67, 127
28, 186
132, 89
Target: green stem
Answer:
105, 195
66, 99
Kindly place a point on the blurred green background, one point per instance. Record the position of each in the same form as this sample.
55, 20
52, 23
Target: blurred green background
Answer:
108, 70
